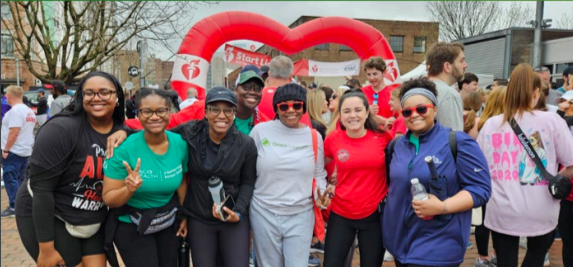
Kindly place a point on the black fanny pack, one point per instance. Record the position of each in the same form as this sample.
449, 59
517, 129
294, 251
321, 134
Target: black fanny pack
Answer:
559, 186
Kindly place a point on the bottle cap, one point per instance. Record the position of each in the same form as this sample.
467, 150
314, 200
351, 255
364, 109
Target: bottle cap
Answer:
414, 181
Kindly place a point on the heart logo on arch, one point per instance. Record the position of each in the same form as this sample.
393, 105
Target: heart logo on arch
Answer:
191, 70
207, 35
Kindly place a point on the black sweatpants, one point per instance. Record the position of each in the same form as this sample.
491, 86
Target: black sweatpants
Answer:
340, 235
153, 250
482, 236
507, 249
566, 231
71, 249
227, 240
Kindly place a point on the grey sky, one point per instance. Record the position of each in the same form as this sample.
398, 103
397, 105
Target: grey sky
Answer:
288, 12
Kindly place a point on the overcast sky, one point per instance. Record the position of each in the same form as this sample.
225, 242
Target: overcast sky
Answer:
288, 12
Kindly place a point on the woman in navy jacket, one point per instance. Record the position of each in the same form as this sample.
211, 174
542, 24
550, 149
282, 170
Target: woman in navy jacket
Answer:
431, 232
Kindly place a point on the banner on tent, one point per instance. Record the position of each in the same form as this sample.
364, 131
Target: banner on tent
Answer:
244, 57
333, 69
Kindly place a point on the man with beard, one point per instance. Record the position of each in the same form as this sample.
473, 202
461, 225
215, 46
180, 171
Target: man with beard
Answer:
446, 66
249, 92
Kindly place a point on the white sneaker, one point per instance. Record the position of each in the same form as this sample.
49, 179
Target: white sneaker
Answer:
388, 256
546, 262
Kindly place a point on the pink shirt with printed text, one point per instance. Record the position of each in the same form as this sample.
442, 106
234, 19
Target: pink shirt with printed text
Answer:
520, 203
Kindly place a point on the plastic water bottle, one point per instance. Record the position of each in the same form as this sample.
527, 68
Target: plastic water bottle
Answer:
216, 190
419, 193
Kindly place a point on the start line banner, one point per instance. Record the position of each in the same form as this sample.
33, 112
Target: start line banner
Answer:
244, 57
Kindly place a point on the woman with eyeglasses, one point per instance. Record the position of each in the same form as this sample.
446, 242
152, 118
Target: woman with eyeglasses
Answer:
59, 209
358, 153
146, 180
434, 231
282, 216
220, 151
520, 191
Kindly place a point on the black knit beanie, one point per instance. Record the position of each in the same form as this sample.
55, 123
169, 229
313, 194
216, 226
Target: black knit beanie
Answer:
290, 91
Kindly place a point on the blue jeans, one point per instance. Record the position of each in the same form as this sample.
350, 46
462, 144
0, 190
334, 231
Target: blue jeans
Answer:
14, 175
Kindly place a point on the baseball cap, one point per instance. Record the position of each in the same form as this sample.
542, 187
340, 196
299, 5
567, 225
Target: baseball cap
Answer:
59, 86
567, 97
41, 91
312, 85
265, 69
252, 68
221, 94
249, 75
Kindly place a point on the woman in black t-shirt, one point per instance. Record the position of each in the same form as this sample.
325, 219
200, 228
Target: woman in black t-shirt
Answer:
65, 184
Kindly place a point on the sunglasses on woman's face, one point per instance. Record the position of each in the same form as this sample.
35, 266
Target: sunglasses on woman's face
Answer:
286, 106
422, 109
333, 97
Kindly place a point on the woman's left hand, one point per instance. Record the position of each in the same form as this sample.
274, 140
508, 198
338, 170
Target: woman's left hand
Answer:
232, 216
182, 228
427, 208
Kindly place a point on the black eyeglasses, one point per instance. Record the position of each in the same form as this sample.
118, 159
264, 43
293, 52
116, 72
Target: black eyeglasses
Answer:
285, 106
160, 112
103, 94
215, 111
422, 109
252, 87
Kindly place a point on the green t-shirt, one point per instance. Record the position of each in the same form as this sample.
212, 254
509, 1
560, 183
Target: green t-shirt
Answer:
243, 125
161, 174
416, 141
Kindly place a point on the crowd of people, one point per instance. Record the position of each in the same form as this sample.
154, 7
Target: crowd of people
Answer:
267, 172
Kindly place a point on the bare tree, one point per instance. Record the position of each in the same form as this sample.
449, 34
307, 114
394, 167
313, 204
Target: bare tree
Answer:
77, 37
462, 19
566, 20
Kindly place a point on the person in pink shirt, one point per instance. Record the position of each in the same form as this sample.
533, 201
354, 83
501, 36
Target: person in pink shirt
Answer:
520, 203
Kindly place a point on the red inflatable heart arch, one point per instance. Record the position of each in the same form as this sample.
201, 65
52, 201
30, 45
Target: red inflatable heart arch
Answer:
192, 61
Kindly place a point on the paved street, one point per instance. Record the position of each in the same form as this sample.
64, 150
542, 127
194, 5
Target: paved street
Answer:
13, 253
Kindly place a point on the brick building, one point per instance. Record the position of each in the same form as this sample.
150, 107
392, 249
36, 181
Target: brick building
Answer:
156, 71
409, 41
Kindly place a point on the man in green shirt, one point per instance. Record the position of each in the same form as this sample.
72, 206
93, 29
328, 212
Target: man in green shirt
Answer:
249, 93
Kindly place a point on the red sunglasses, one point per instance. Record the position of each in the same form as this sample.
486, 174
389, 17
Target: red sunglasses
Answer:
422, 109
285, 106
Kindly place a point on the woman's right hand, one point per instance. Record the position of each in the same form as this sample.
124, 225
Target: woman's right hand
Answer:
133, 180
50, 257
114, 141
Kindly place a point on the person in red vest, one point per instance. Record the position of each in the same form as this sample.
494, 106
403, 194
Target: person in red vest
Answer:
378, 93
280, 73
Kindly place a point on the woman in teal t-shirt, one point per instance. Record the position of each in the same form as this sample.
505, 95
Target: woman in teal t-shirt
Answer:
141, 180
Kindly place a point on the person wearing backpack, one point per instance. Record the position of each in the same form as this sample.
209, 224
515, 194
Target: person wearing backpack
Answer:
521, 204
431, 232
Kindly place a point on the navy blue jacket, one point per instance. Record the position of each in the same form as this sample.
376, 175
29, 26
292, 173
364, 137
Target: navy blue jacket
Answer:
433, 242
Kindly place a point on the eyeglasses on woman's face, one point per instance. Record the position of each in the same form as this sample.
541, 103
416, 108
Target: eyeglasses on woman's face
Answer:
215, 111
421, 110
160, 112
297, 105
103, 94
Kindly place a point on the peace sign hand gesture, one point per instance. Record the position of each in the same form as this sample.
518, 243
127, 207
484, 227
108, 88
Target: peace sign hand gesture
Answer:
323, 199
133, 180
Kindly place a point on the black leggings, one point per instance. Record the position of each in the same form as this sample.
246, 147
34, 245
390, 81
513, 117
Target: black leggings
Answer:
153, 250
507, 249
229, 241
566, 231
70, 248
398, 264
341, 233
482, 236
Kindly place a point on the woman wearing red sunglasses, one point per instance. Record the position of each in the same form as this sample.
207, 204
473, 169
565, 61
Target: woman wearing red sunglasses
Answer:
412, 230
281, 210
